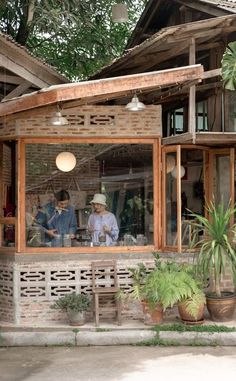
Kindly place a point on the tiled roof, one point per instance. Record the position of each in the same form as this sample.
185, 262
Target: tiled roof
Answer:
37, 60
229, 5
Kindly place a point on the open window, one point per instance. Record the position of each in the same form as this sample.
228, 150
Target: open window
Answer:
183, 190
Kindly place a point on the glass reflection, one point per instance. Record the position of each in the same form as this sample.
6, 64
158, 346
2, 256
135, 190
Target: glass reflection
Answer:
121, 172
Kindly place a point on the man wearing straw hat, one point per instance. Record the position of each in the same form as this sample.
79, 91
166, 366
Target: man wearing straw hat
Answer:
102, 225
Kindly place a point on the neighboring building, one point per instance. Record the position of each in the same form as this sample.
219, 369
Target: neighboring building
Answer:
152, 165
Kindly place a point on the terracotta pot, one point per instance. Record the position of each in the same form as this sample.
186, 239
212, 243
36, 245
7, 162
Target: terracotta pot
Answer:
221, 309
152, 316
187, 318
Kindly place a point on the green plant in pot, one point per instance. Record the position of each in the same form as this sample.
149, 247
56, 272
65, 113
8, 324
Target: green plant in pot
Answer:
168, 283
217, 256
172, 283
75, 305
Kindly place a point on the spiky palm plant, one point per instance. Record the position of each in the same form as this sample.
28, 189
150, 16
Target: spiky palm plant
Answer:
228, 66
217, 250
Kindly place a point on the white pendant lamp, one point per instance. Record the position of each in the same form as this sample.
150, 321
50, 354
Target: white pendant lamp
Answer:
119, 13
174, 172
65, 161
135, 104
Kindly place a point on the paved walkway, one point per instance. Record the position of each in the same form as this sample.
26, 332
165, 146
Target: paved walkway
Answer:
124, 363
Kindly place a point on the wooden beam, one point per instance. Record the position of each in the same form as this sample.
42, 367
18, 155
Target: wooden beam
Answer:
19, 90
108, 88
178, 139
22, 71
13, 79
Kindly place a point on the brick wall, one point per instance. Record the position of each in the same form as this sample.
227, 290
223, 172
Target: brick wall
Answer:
109, 121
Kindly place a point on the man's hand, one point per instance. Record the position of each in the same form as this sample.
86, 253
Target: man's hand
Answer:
52, 233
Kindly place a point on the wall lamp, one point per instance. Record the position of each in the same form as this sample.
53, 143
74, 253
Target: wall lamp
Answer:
57, 119
135, 104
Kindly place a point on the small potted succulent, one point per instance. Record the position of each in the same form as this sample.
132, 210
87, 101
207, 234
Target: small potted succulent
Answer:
75, 306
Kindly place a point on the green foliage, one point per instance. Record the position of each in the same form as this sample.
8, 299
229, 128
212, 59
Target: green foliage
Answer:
172, 283
168, 283
73, 301
78, 37
180, 327
228, 66
216, 245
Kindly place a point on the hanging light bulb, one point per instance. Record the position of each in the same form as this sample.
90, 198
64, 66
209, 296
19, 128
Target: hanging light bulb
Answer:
57, 119
135, 104
65, 161
174, 172
119, 13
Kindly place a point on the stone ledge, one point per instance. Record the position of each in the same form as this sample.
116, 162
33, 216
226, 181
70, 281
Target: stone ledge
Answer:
114, 337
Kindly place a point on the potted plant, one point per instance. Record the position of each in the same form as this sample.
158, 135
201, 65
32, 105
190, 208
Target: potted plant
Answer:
75, 306
167, 284
153, 312
191, 310
216, 256
172, 283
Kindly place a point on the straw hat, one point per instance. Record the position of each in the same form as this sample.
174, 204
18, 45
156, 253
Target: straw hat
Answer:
99, 198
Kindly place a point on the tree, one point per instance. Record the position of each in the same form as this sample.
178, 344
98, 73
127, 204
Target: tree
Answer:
76, 36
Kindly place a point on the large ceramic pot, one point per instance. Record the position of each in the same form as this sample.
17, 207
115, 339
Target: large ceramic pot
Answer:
76, 317
221, 309
152, 316
187, 318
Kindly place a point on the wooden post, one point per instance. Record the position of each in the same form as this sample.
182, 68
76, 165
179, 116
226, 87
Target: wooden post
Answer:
1, 189
179, 222
21, 197
156, 193
192, 94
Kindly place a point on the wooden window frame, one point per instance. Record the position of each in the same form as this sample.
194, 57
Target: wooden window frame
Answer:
177, 149
5, 220
21, 158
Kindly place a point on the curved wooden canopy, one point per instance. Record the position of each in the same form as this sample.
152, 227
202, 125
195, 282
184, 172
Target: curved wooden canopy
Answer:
102, 90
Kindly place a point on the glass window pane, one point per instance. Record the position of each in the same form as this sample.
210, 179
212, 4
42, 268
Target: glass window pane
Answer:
221, 177
171, 200
8, 201
192, 190
121, 172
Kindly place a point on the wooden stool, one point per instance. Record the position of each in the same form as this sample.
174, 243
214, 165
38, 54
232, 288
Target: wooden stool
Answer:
104, 284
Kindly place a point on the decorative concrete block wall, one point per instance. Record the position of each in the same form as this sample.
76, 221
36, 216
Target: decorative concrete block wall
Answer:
28, 288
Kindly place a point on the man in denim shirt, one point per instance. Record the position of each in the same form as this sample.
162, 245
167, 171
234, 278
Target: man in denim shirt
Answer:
57, 219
